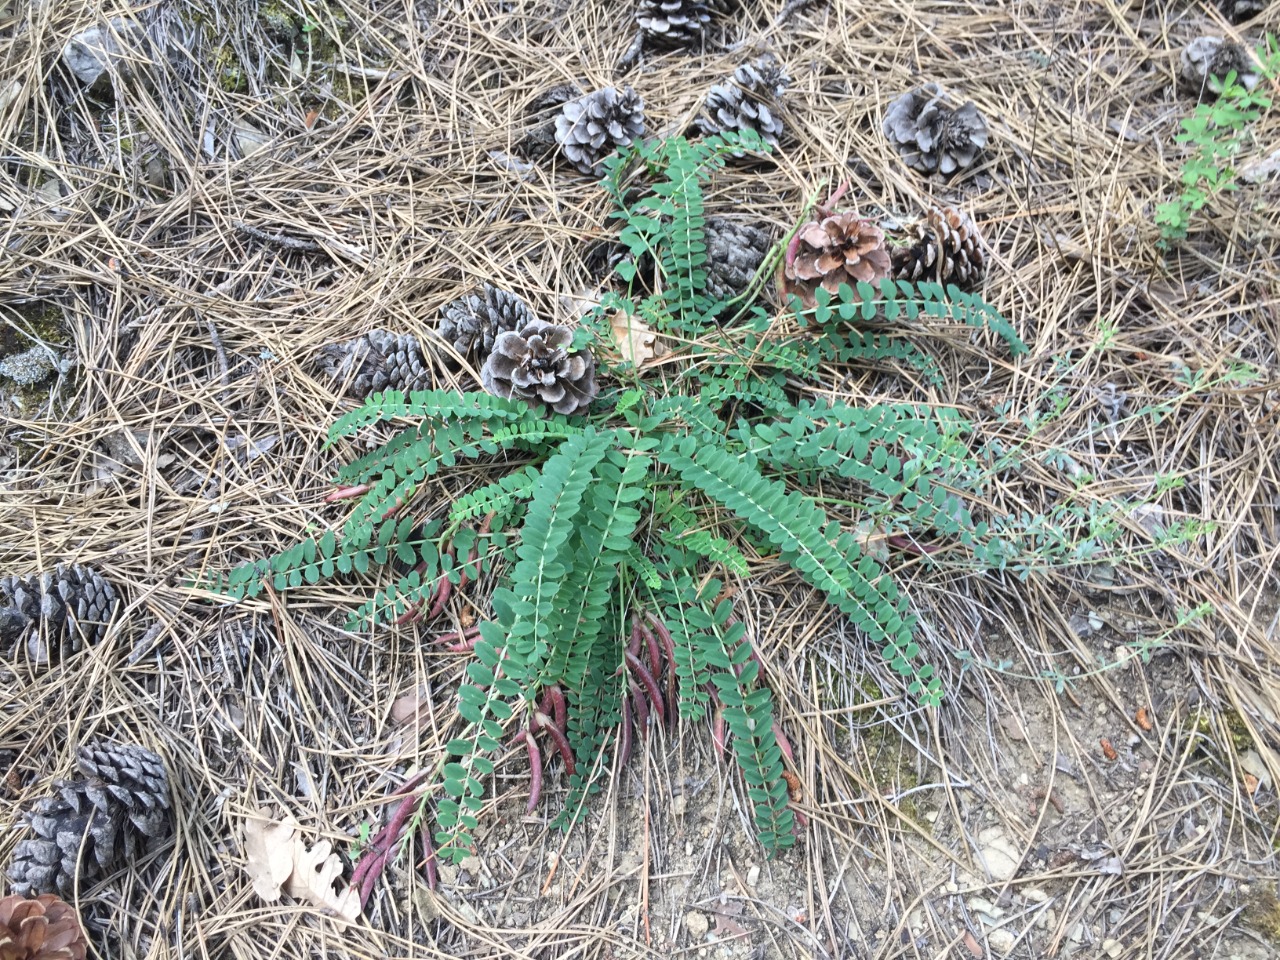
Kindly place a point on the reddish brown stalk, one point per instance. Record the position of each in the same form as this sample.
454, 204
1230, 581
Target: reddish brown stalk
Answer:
535, 770
430, 869
625, 733
641, 707
414, 610
669, 647
828, 208
559, 709
633, 643
373, 863
346, 493
783, 742
905, 543
561, 741
650, 685
655, 657
471, 633
718, 732
444, 587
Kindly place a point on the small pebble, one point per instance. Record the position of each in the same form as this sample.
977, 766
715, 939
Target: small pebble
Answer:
753, 876
697, 924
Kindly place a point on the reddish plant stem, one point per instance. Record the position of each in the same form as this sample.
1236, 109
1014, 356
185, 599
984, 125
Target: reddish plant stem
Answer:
655, 657
641, 707
783, 742
470, 633
669, 646
718, 732
535, 770
430, 869
346, 493
561, 741
905, 543
444, 587
650, 685
633, 643
559, 709
826, 209
373, 863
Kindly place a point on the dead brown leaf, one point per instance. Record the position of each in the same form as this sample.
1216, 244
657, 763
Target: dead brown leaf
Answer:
276, 856
635, 338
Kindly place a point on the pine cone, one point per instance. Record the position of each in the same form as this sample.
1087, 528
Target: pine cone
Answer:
669, 24
534, 364
735, 251
948, 249
841, 248
45, 928
931, 136
58, 611
540, 120
751, 100
111, 816
386, 361
473, 322
1206, 57
1238, 11
594, 126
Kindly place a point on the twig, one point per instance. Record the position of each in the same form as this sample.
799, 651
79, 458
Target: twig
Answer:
279, 239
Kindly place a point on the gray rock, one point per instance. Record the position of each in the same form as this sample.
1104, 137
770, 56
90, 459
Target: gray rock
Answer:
93, 54
29, 367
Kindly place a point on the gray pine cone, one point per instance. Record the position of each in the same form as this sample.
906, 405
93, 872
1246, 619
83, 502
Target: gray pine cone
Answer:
735, 251
594, 126
111, 816
1238, 11
57, 612
473, 322
534, 364
750, 100
1206, 57
379, 360
929, 135
670, 24
540, 115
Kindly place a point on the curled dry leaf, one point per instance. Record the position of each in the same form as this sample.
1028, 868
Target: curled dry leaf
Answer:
635, 338
276, 857
315, 872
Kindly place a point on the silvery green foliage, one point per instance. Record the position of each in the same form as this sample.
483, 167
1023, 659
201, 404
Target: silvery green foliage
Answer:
592, 127
932, 137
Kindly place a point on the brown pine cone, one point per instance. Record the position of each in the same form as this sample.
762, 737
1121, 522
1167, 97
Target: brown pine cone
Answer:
111, 815
948, 249
840, 248
534, 364
56, 612
45, 928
